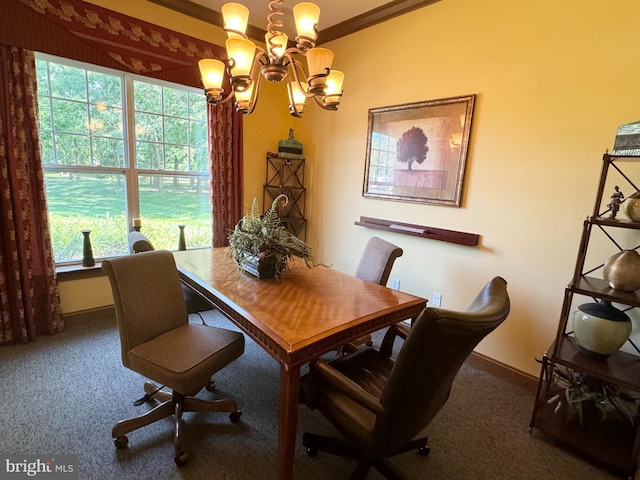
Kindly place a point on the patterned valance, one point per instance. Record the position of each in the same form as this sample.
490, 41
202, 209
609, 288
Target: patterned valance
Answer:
82, 31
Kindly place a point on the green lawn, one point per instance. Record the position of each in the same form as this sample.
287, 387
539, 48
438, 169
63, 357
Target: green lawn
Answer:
96, 203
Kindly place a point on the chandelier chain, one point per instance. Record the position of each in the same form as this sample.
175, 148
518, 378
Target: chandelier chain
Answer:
274, 25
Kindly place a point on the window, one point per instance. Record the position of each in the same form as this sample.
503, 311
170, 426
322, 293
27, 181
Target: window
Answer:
116, 147
384, 155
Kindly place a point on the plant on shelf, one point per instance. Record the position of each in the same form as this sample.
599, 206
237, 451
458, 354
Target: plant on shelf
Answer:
579, 391
260, 242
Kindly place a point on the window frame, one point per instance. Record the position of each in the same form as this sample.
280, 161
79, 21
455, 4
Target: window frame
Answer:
129, 169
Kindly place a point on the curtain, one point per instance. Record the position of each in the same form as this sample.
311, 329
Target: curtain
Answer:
89, 33
29, 299
225, 139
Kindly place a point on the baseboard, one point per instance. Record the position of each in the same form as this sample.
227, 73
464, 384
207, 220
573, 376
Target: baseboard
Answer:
503, 372
108, 311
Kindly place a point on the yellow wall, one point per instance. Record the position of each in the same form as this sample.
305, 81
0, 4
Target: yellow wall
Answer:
80, 295
553, 82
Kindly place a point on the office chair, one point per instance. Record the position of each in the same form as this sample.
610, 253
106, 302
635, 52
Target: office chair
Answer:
375, 265
196, 303
377, 260
158, 342
381, 404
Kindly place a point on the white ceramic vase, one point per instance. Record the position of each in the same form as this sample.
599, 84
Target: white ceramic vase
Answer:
600, 329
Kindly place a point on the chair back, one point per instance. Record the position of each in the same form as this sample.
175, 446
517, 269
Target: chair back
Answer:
139, 242
438, 344
377, 260
147, 297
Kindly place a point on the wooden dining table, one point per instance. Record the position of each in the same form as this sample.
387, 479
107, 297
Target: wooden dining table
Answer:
305, 313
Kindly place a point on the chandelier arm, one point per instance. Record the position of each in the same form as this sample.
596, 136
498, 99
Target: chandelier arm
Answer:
260, 59
236, 32
294, 66
254, 98
293, 108
325, 106
247, 106
304, 42
295, 50
212, 94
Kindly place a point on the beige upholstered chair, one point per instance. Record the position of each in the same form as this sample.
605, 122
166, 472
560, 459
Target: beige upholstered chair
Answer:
158, 342
196, 303
377, 260
380, 403
375, 266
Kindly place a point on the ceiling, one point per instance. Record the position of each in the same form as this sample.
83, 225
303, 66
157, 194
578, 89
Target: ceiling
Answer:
337, 17
332, 12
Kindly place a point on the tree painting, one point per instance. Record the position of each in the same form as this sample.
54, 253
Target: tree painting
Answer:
412, 146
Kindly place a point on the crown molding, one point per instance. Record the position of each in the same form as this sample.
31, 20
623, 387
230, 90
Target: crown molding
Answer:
378, 15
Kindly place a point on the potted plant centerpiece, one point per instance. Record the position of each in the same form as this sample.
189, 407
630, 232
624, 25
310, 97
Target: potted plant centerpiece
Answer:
261, 245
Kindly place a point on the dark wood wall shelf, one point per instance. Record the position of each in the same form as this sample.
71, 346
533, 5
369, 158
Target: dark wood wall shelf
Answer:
451, 236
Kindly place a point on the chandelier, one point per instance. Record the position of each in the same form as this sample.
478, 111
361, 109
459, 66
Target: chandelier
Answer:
249, 63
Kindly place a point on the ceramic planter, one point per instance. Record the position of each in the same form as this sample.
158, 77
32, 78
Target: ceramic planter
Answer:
600, 329
622, 270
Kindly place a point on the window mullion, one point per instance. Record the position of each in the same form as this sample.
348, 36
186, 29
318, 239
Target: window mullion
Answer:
133, 195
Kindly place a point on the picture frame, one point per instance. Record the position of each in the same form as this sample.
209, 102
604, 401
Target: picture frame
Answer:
417, 152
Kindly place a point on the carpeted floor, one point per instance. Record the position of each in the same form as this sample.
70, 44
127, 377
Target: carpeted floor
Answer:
62, 394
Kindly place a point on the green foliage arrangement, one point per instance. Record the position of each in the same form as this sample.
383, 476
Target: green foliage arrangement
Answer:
263, 235
578, 390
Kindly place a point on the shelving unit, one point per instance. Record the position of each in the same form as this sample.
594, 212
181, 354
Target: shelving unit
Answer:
286, 175
613, 443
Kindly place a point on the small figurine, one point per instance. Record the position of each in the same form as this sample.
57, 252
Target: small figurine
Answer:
616, 200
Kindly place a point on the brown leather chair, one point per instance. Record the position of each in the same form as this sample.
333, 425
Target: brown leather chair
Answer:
157, 341
196, 303
381, 403
375, 266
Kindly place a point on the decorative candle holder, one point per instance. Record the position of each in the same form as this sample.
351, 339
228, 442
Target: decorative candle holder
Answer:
136, 223
182, 242
87, 251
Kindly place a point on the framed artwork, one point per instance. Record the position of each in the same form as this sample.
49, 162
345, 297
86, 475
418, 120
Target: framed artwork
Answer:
416, 152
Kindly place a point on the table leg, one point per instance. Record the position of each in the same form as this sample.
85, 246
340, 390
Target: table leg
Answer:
287, 420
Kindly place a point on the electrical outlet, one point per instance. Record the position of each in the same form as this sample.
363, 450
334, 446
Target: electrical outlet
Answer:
436, 300
395, 283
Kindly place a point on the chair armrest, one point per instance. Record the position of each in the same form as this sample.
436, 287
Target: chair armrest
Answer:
396, 330
351, 389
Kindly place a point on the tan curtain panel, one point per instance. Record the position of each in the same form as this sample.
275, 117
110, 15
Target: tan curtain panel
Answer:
29, 299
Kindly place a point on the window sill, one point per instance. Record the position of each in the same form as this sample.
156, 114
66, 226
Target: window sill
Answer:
77, 271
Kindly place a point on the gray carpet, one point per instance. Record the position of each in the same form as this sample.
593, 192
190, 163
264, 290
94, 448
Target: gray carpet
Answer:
62, 394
